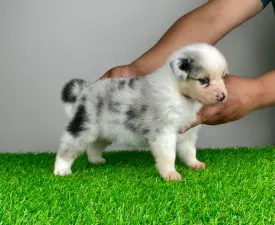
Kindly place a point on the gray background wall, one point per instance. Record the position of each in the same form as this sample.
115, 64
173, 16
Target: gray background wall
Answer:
45, 43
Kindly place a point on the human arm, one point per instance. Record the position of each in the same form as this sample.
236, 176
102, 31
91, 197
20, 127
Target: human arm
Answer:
208, 23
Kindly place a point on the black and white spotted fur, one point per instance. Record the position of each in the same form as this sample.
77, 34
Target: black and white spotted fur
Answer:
141, 111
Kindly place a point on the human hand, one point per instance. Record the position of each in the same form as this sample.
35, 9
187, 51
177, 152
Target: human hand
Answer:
242, 99
120, 71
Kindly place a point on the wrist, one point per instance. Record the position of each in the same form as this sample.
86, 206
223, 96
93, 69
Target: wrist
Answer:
141, 68
256, 94
244, 91
265, 91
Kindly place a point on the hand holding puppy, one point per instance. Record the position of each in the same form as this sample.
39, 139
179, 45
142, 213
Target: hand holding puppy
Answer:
242, 97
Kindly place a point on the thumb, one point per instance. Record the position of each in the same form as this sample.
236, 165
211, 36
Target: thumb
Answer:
120, 72
195, 123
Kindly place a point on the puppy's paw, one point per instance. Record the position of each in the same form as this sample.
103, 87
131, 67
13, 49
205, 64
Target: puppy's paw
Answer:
62, 172
172, 175
97, 160
197, 165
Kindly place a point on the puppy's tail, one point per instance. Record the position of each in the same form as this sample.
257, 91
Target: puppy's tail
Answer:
72, 94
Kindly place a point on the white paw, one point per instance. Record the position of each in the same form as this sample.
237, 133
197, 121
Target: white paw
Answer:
62, 172
198, 165
97, 160
172, 175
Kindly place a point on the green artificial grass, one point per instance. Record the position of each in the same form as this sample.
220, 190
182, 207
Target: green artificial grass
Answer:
237, 187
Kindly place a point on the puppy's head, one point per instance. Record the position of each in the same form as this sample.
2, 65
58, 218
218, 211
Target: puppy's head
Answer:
200, 70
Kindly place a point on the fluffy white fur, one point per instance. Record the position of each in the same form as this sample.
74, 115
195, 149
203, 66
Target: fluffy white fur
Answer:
145, 111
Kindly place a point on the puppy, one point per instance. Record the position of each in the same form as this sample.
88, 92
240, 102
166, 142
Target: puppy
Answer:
144, 111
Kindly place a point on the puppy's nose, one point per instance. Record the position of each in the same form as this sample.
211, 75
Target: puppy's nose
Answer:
221, 97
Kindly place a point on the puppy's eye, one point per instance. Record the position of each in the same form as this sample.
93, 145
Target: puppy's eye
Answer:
203, 80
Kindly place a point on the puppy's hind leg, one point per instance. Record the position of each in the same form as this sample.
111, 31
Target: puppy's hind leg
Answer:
186, 149
163, 148
69, 150
67, 153
94, 152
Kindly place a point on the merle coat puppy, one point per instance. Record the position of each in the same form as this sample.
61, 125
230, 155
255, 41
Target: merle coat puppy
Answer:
144, 111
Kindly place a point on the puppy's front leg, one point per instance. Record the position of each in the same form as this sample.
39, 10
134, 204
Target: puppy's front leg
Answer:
186, 149
163, 148
187, 153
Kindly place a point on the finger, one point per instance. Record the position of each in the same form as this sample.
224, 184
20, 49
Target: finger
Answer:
213, 115
114, 72
203, 117
106, 75
120, 72
195, 123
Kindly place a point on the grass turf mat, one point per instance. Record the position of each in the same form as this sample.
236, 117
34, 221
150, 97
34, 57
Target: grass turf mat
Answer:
237, 187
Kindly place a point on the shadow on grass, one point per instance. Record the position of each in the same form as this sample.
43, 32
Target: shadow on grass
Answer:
44, 162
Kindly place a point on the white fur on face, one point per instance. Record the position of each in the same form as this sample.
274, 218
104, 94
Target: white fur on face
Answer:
206, 62
143, 111
207, 95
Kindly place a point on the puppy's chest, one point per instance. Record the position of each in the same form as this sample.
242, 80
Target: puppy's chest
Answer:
189, 114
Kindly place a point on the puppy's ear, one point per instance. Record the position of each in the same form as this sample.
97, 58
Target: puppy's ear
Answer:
181, 67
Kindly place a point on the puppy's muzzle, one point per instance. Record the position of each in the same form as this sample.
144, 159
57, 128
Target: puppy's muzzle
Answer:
221, 97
